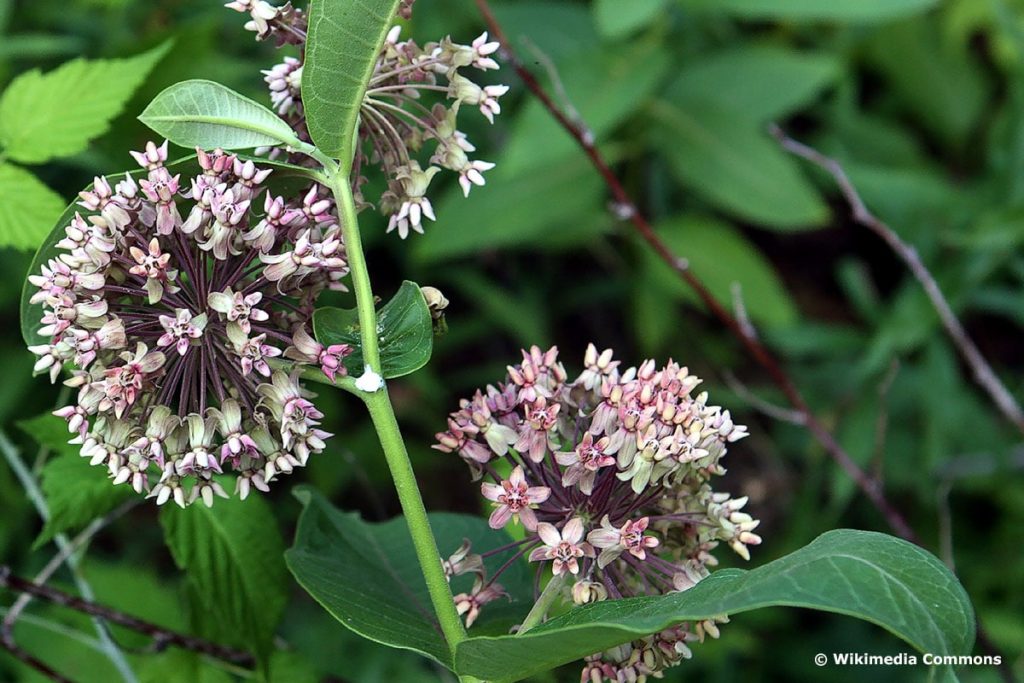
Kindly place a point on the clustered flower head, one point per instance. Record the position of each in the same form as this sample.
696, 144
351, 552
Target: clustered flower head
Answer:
173, 302
611, 476
397, 128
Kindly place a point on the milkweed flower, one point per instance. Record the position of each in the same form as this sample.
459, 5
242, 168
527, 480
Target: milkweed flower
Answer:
171, 313
408, 124
620, 463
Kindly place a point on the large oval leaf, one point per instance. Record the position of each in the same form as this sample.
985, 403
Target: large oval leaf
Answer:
344, 40
404, 327
863, 574
367, 576
205, 114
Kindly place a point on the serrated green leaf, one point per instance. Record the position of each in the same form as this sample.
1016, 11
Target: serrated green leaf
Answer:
404, 327
366, 575
871, 576
721, 256
730, 160
233, 556
27, 208
198, 113
43, 116
825, 10
617, 19
764, 82
344, 42
76, 492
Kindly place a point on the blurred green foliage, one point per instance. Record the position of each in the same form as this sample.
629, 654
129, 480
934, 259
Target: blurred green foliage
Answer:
923, 103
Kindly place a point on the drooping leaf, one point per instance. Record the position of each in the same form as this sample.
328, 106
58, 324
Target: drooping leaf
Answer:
232, 554
75, 492
732, 163
367, 577
198, 113
761, 81
27, 208
404, 326
616, 19
825, 10
43, 116
344, 40
722, 257
285, 178
871, 576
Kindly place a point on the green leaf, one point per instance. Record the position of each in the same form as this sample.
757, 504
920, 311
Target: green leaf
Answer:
43, 116
344, 42
404, 327
824, 10
721, 256
871, 576
27, 208
605, 90
497, 216
366, 575
730, 160
232, 554
617, 19
763, 82
205, 114
75, 492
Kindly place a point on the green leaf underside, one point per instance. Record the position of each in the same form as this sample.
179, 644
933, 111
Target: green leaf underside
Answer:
405, 329
366, 575
27, 207
871, 576
55, 114
76, 492
198, 113
826, 10
730, 160
344, 40
233, 556
285, 177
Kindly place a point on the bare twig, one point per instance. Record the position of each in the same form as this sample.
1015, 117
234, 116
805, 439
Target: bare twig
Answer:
161, 636
984, 376
79, 541
627, 209
32, 490
794, 417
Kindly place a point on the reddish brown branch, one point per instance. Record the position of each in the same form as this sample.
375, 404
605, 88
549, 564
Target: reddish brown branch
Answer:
629, 211
984, 376
161, 636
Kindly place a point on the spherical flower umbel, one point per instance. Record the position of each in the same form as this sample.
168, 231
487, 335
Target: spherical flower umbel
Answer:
611, 474
173, 327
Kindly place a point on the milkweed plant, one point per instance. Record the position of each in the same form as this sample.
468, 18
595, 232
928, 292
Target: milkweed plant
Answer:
179, 302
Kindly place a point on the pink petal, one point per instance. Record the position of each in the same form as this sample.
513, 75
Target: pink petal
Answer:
500, 517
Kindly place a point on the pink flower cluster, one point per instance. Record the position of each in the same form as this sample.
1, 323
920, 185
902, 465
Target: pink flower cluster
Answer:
610, 474
175, 303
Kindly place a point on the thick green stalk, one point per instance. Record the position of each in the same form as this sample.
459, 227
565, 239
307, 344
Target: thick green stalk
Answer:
383, 415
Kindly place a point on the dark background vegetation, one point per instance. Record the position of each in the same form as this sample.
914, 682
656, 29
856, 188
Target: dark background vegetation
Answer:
925, 111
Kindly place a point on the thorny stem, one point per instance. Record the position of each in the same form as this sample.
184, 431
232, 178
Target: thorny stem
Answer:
378, 403
34, 494
629, 211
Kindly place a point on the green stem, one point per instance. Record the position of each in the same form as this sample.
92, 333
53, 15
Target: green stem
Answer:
383, 415
543, 604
